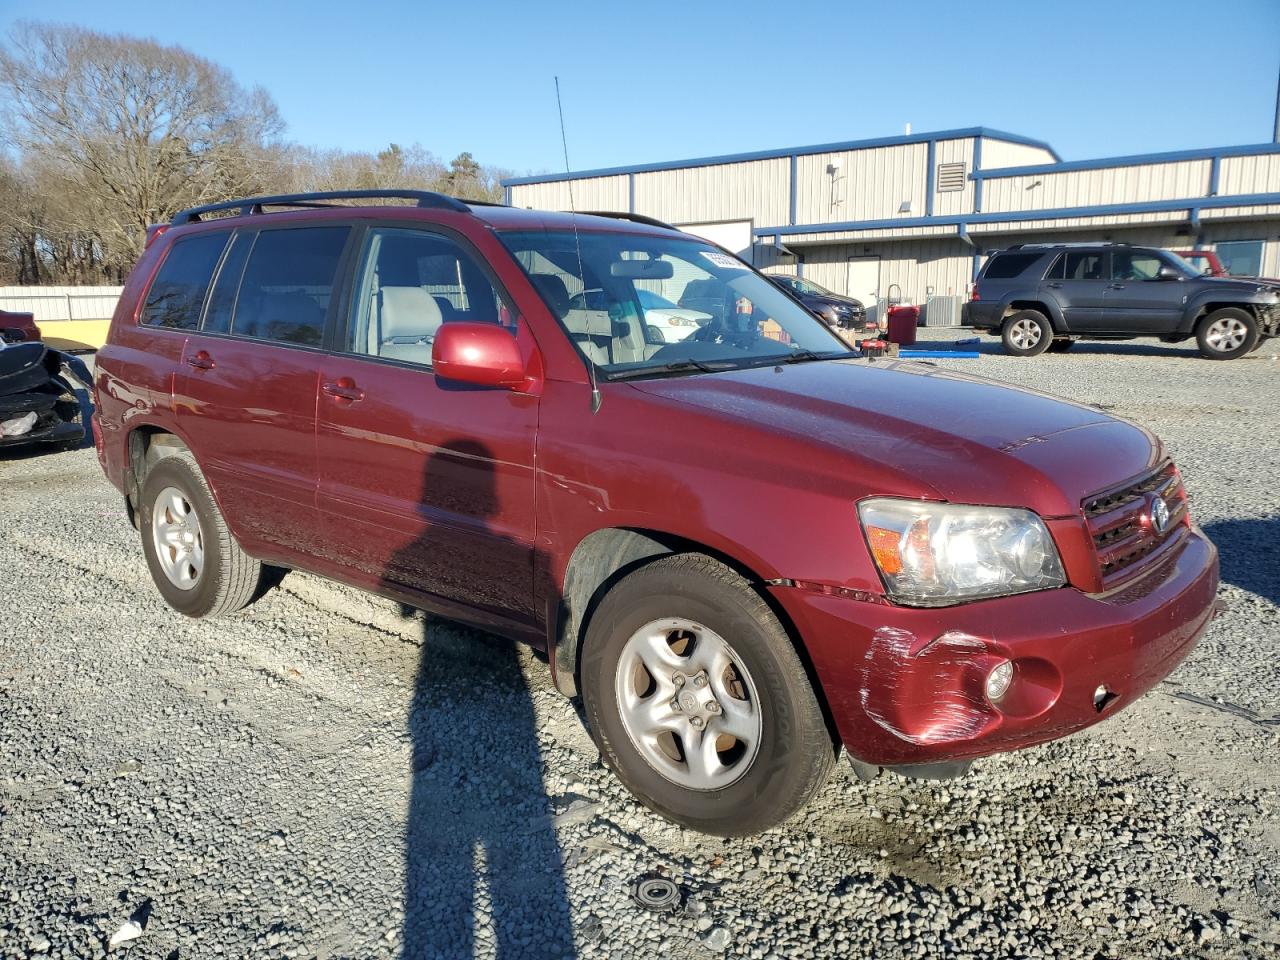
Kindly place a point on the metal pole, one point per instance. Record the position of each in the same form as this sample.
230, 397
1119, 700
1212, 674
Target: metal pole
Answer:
69, 316
1277, 130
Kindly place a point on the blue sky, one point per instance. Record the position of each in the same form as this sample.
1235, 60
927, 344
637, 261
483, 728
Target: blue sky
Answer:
656, 80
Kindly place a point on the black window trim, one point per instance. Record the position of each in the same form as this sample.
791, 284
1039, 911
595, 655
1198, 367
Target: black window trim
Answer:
342, 324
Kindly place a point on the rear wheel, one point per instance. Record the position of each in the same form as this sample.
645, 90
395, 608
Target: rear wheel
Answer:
1026, 333
196, 564
698, 700
1227, 333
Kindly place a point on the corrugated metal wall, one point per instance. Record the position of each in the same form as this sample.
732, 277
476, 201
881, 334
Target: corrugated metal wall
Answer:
1001, 153
758, 190
61, 303
869, 184
592, 193
1256, 174
1080, 188
914, 265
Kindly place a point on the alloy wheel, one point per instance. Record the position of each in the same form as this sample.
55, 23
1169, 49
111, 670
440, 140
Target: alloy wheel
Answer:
178, 538
688, 704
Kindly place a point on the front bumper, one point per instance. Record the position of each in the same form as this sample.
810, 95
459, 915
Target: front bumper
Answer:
906, 686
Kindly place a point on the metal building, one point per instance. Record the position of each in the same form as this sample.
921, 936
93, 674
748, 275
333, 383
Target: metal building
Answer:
912, 216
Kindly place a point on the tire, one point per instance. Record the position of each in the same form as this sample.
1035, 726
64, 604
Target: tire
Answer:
1026, 333
213, 575
758, 685
1061, 346
1227, 333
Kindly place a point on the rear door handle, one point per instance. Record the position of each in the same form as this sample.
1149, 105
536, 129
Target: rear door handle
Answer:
201, 360
344, 390
1116, 286
1056, 286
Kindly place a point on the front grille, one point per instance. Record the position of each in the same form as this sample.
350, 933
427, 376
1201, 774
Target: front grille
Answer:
1125, 538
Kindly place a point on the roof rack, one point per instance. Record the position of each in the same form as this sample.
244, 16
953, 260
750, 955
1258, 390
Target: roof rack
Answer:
633, 217
254, 205
1054, 246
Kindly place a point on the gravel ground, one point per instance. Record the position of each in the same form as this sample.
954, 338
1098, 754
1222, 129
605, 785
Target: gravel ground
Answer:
268, 784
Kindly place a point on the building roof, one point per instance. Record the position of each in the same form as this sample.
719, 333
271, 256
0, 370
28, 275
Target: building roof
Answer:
961, 134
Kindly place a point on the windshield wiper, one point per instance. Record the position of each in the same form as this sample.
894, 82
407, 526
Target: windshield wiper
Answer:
676, 366
805, 356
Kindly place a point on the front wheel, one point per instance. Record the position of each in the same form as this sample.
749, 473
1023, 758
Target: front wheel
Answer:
1027, 333
699, 702
1227, 333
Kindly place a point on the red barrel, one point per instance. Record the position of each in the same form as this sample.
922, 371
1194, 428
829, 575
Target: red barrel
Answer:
902, 324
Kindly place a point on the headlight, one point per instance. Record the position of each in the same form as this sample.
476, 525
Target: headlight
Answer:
934, 554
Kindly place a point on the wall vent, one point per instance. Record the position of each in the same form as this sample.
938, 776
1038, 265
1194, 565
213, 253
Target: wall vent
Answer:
950, 177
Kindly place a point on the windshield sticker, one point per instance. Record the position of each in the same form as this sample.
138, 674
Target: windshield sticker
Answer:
723, 260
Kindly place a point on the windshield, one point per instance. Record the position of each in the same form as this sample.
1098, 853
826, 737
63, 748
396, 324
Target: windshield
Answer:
601, 303
808, 286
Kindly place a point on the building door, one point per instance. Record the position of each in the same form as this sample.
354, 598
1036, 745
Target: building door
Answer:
863, 283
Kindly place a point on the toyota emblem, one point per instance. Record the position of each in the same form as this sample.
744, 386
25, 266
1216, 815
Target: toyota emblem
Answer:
1159, 515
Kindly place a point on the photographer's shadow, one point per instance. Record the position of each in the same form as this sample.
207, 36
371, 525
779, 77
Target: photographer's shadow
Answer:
483, 868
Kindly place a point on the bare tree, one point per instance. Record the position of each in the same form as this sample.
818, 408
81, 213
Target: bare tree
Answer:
134, 131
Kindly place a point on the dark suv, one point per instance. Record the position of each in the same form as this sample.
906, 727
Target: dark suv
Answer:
839, 311
744, 549
1046, 296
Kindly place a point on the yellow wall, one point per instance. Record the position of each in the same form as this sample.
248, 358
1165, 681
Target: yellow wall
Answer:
74, 334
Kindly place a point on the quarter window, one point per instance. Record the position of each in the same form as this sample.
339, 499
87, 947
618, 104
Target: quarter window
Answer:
1010, 265
284, 295
222, 299
177, 295
411, 283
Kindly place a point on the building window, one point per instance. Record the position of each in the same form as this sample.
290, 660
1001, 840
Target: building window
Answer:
1241, 258
950, 177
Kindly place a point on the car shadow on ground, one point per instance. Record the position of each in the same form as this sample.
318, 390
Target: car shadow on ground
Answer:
483, 866
1249, 552
991, 347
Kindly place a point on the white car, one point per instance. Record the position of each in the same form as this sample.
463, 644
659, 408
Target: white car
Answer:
674, 322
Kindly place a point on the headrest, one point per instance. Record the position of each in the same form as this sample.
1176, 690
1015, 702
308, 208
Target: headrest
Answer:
409, 312
553, 291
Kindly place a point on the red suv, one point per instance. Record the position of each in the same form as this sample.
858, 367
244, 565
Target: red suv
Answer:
743, 550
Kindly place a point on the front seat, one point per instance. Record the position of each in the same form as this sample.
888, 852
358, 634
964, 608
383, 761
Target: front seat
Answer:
408, 320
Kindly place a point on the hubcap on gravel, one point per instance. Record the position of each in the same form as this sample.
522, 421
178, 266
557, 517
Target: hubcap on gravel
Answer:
1025, 334
1226, 334
688, 704
178, 539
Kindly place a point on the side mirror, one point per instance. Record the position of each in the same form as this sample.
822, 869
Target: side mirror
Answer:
1167, 272
481, 354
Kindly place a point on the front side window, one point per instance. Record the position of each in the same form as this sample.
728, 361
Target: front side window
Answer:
592, 283
410, 283
1135, 265
177, 294
284, 293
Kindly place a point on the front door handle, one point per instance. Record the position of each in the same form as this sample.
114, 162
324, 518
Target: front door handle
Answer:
1116, 286
344, 390
201, 360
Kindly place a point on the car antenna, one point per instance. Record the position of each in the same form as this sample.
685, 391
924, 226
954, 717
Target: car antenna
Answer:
577, 242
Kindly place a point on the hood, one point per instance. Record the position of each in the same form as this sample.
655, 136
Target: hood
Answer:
829, 300
930, 432
1240, 285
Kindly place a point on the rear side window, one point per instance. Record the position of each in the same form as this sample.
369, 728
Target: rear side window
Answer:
177, 294
288, 280
1009, 265
1081, 265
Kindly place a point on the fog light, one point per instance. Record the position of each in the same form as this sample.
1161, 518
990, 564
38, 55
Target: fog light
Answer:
998, 680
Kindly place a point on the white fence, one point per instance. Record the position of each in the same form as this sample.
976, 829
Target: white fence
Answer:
61, 303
